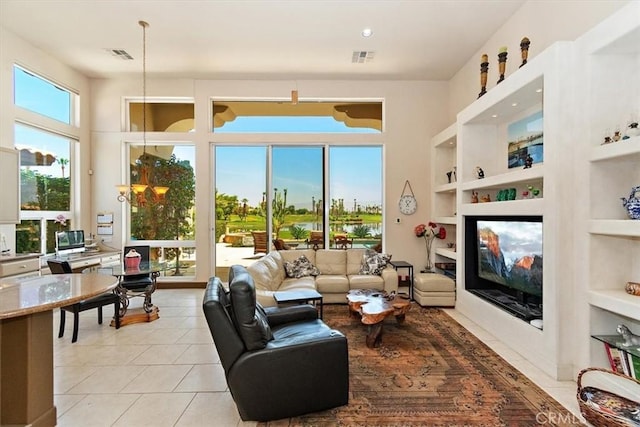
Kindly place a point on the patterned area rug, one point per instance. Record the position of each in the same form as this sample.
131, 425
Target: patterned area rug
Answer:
430, 371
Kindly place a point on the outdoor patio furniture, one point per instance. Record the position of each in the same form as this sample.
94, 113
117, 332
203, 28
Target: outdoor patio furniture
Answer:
342, 242
259, 242
315, 240
280, 245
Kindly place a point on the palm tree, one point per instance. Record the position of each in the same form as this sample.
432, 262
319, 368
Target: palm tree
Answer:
62, 162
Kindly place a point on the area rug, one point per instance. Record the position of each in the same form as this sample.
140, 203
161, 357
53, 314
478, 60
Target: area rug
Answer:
430, 371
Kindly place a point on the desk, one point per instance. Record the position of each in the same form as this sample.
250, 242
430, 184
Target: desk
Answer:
19, 265
86, 259
26, 341
409, 281
149, 311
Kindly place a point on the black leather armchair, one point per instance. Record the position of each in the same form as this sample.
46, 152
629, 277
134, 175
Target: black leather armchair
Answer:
278, 362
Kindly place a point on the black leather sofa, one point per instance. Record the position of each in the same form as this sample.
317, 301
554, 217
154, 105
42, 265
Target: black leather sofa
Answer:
278, 362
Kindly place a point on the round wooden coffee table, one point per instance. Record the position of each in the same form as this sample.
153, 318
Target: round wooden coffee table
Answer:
373, 307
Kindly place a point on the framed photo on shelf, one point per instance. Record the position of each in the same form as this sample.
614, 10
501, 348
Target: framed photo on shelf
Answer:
525, 141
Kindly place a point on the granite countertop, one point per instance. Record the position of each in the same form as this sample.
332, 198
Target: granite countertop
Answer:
23, 296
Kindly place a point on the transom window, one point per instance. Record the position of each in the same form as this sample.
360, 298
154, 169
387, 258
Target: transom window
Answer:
303, 117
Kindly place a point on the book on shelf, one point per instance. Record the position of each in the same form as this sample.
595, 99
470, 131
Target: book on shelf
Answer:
634, 365
622, 361
615, 358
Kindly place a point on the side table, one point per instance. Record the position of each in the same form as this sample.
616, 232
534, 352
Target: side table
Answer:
302, 296
405, 282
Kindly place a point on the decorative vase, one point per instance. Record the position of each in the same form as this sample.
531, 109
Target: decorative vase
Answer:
632, 204
502, 62
428, 268
524, 49
484, 70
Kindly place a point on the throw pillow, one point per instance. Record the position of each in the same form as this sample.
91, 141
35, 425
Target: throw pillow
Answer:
373, 263
301, 267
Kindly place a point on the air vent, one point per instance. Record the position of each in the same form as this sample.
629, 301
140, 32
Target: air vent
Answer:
362, 56
120, 53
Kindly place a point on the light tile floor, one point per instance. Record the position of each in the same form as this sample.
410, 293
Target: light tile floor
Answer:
167, 372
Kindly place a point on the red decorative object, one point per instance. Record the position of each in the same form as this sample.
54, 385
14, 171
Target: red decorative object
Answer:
132, 260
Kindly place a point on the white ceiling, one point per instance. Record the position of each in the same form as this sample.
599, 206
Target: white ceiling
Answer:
261, 39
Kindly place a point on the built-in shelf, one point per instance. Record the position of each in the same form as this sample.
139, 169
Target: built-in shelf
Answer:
448, 253
444, 158
627, 149
533, 175
450, 220
607, 241
615, 227
446, 188
616, 301
446, 138
513, 207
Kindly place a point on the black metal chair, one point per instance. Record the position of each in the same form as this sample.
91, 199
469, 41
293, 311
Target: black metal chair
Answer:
63, 267
139, 285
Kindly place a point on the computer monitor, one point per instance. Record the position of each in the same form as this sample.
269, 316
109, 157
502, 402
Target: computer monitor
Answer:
69, 242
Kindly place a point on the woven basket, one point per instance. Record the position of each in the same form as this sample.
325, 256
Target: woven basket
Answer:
596, 416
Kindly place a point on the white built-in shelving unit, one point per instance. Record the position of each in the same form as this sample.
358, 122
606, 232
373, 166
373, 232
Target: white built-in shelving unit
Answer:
444, 160
609, 241
585, 89
482, 133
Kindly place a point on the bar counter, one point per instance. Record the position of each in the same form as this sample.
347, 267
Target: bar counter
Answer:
26, 341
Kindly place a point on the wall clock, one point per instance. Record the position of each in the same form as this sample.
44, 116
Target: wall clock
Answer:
408, 203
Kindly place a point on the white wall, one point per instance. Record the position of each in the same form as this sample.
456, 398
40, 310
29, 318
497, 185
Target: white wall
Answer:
543, 22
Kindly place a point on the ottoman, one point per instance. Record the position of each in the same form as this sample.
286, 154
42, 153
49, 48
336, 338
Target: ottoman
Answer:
432, 289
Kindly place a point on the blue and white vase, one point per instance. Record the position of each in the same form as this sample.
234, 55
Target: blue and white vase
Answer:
632, 204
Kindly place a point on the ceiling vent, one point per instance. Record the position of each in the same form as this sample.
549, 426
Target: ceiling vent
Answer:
362, 56
120, 53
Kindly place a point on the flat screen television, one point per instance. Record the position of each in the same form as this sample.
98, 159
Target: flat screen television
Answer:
69, 242
504, 261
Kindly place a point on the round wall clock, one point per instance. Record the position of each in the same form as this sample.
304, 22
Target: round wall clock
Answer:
408, 203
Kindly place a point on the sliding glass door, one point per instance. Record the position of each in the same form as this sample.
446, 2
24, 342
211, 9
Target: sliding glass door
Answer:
355, 195
296, 196
298, 177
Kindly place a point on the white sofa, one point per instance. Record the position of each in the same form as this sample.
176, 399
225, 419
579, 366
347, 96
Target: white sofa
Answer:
339, 272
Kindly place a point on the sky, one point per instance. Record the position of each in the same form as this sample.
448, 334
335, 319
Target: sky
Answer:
517, 238
355, 172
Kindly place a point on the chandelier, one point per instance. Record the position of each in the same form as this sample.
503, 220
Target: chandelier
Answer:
144, 162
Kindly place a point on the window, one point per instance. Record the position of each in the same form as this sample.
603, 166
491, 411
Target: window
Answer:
295, 198
162, 210
355, 190
162, 116
39, 95
46, 161
304, 117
